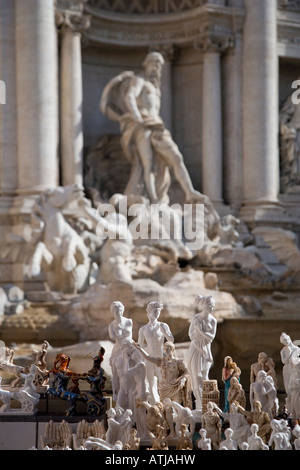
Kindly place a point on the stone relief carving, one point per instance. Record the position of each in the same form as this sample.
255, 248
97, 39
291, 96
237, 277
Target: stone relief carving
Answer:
137, 6
51, 244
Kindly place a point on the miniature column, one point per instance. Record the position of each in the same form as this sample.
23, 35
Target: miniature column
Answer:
37, 101
71, 96
260, 103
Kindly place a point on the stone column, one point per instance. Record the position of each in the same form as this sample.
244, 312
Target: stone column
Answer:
8, 111
212, 139
71, 96
260, 103
37, 103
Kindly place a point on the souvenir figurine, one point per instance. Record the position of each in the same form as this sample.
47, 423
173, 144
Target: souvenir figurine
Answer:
254, 441
202, 332
280, 435
261, 418
236, 394
120, 330
287, 352
229, 443
212, 424
237, 422
151, 338
205, 442
263, 363
264, 391
184, 441
230, 369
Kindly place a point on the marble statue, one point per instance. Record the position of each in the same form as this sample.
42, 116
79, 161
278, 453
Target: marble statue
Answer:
264, 391
202, 332
151, 337
284, 244
254, 441
96, 443
115, 241
263, 363
289, 128
120, 330
212, 424
287, 352
134, 102
228, 443
280, 435
53, 246
205, 442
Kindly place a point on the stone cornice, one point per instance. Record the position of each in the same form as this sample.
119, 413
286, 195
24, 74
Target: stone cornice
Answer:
181, 28
288, 24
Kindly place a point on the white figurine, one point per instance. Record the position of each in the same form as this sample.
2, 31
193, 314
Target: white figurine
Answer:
181, 415
237, 422
202, 331
288, 350
294, 388
120, 330
281, 435
151, 337
264, 391
229, 443
205, 442
255, 442
296, 433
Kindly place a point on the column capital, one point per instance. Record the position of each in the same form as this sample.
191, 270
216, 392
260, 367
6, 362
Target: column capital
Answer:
69, 16
214, 43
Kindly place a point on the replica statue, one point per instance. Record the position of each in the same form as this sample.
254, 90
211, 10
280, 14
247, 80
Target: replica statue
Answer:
181, 415
184, 441
288, 351
120, 330
53, 245
236, 393
289, 120
57, 436
26, 395
205, 442
151, 337
294, 388
237, 422
155, 415
254, 441
280, 435
259, 417
175, 382
229, 370
263, 363
134, 102
264, 391
212, 424
229, 443
202, 331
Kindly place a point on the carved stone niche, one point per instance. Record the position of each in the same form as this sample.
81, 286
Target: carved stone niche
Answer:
106, 169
